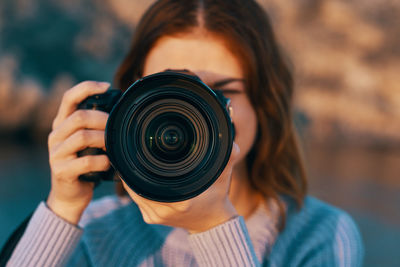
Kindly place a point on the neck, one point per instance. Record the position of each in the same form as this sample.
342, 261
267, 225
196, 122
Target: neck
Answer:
243, 196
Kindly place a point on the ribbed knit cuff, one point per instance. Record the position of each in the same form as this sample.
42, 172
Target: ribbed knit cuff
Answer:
227, 244
48, 240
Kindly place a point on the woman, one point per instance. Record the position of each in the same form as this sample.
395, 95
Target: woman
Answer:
256, 213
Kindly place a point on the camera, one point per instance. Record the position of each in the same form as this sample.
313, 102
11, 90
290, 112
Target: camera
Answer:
168, 136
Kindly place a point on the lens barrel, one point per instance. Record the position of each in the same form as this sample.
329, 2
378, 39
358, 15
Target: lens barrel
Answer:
169, 137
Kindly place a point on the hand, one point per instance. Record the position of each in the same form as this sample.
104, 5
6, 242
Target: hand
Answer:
74, 130
198, 214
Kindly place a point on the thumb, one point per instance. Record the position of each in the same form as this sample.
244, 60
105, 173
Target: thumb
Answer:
234, 154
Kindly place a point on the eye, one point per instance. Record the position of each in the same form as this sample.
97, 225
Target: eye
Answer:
228, 92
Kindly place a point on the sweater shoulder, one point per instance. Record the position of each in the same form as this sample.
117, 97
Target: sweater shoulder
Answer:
320, 234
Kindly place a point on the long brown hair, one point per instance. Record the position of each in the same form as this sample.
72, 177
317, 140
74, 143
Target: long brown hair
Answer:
274, 163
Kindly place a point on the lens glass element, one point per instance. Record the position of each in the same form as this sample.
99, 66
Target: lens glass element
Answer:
170, 137
175, 137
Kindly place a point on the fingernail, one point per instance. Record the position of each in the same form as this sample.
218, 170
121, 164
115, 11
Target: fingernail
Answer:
104, 84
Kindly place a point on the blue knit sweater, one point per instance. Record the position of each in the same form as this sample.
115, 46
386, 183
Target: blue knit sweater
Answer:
113, 233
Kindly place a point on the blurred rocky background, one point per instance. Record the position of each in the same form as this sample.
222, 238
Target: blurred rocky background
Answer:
345, 55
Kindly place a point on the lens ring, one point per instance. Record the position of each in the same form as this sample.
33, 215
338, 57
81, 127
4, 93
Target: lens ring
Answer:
199, 128
123, 125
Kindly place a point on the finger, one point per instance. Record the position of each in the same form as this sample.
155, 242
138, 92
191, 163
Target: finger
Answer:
152, 211
144, 208
234, 154
148, 202
226, 174
71, 169
80, 119
78, 141
76, 95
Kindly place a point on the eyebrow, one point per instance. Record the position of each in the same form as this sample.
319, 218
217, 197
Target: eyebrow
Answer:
223, 82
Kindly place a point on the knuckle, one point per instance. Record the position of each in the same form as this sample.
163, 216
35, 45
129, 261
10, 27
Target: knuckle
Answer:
82, 136
87, 162
52, 156
58, 172
51, 161
50, 139
162, 215
68, 181
67, 95
54, 124
183, 207
80, 116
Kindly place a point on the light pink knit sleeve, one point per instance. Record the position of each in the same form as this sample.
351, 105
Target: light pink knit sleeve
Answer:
48, 240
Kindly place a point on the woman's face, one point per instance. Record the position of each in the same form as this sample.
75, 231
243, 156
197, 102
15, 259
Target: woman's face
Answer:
205, 55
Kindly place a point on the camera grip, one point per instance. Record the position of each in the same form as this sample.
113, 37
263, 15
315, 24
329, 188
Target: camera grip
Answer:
103, 102
95, 177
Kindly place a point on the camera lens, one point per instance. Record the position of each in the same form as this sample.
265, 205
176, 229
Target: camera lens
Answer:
174, 137
169, 137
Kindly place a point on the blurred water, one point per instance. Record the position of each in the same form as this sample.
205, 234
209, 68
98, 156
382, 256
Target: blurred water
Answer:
365, 183
362, 182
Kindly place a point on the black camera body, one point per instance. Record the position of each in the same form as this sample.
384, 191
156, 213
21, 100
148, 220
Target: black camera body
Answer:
169, 136
103, 102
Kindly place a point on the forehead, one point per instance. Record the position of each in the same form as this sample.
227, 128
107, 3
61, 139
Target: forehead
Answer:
199, 52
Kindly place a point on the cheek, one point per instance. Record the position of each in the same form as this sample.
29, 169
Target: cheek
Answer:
245, 121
